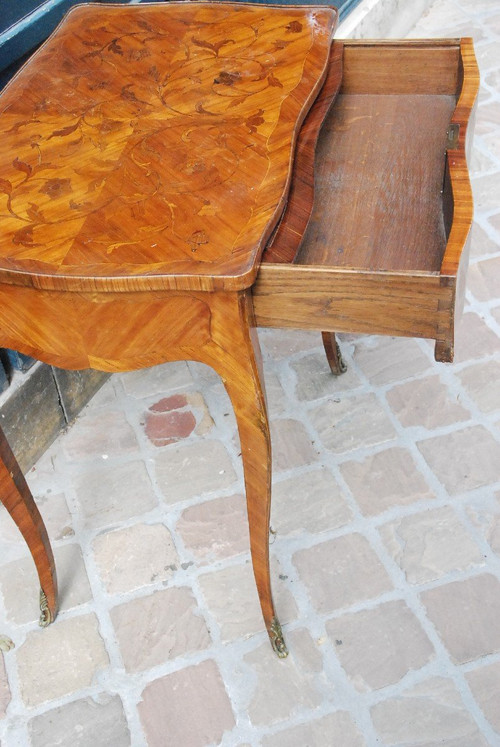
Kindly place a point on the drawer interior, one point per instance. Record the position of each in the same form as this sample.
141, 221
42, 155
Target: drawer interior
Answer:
380, 168
386, 240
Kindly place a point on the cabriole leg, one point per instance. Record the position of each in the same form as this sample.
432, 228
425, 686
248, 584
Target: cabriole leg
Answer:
333, 354
237, 359
17, 499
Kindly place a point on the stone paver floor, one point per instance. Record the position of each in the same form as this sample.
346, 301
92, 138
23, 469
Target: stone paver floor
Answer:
386, 553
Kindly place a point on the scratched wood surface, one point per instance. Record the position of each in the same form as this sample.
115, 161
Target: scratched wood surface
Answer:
150, 147
379, 172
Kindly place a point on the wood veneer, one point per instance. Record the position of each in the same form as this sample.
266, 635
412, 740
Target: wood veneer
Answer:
145, 160
150, 147
143, 180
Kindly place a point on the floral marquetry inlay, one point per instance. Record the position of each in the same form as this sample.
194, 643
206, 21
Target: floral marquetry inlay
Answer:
151, 146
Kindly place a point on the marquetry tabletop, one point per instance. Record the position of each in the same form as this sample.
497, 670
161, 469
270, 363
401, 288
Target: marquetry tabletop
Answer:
150, 147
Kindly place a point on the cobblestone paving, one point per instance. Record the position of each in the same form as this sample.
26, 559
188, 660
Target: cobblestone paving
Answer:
386, 557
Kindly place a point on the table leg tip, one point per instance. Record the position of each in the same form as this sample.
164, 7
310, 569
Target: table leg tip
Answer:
277, 639
46, 615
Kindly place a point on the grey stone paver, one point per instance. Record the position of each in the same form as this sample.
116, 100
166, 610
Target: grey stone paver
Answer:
56, 517
97, 490
74, 588
280, 691
291, 445
325, 507
61, 660
484, 683
386, 359
134, 557
82, 723
385, 551
185, 471
314, 381
345, 424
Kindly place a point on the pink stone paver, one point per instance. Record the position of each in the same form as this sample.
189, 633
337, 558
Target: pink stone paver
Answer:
341, 572
430, 713
189, 707
173, 418
168, 427
167, 404
379, 646
467, 616
464, 459
425, 402
384, 480
104, 434
158, 627
386, 532
216, 529
231, 596
429, 545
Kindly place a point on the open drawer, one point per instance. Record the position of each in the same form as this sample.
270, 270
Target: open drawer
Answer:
386, 246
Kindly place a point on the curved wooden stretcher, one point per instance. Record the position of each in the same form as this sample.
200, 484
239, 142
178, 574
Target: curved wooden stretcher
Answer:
140, 187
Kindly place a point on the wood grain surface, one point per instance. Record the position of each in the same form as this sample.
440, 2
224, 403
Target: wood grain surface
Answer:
17, 499
386, 249
285, 241
379, 177
145, 160
150, 147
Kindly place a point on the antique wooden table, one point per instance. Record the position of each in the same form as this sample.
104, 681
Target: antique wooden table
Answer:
148, 154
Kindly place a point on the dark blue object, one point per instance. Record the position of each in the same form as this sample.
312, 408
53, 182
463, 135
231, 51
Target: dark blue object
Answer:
19, 361
4, 381
24, 25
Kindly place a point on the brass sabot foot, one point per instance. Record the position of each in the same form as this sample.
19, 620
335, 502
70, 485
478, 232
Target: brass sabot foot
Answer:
45, 613
277, 640
341, 364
